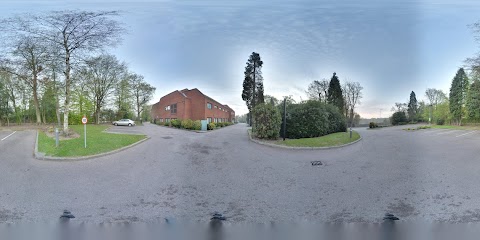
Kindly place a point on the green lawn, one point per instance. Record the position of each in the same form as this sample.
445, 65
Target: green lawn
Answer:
456, 127
330, 140
97, 142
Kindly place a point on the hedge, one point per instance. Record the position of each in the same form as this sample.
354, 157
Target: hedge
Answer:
313, 119
267, 121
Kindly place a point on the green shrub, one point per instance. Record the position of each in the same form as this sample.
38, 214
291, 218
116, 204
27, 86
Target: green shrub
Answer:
211, 126
373, 125
267, 121
197, 125
76, 119
440, 121
313, 119
166, 123
221, 124
176, 123
399, 118
187, 124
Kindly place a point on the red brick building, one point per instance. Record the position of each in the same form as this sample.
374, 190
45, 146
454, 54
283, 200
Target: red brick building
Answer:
191, 104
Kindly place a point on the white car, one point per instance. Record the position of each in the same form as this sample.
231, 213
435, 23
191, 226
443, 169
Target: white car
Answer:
124, 122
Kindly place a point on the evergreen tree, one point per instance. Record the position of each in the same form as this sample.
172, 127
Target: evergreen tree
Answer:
458, 94
253, 82
412, 107
334, 93
473, 101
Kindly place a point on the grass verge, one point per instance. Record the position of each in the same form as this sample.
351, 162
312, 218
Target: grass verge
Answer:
331, 140
97, 142
456, 127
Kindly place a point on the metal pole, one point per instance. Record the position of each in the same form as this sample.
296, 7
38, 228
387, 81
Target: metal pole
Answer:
85, 134
284, 118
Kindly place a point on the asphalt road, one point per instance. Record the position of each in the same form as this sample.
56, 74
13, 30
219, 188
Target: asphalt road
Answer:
428, 175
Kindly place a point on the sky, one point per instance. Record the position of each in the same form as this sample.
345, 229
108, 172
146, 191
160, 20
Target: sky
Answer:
390, 47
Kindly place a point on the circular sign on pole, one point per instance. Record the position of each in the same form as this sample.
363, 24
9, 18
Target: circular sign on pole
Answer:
84, 120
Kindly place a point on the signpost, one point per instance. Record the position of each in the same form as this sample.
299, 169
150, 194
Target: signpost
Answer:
84, 121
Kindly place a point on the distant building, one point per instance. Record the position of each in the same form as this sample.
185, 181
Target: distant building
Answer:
191, 104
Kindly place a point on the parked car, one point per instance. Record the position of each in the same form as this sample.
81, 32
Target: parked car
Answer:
124, 122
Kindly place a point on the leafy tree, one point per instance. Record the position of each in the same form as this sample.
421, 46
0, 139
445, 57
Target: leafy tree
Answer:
267, 121
400, 107
458, 92
334, 94
473, 101
434, 97
74, 34
442, 113
422, 112
271, 100
141, 91
412, 107
253, 82
317, 90
399, 118
47, 103
103, 73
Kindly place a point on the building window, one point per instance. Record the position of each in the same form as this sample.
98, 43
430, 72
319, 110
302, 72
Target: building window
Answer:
209, 120
167, 108
209, 105
216, 106
220, 108
174, 108
161, 119
167, 120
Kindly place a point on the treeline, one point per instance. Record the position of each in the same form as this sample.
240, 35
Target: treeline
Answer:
54, 69
327, 110
459, 106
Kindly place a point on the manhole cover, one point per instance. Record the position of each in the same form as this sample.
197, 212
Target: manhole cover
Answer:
316, 163
167, 137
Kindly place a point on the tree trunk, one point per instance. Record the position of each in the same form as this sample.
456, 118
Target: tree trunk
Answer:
35, 99
57, 101
97, 111
351, 117
67, 93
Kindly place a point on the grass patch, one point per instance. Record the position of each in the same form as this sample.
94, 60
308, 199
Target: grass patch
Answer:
97, 142
334, 139
456, 127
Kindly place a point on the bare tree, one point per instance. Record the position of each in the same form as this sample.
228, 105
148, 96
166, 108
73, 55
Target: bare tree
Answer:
102, 73
26, 56
317, 90
76, 33
142, 92
399, 107
353, 94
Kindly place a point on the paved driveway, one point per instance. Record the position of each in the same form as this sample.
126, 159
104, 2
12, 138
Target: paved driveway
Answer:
422, 175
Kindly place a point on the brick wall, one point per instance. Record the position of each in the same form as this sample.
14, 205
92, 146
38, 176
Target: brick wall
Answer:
198, 106
191, 104
172, 98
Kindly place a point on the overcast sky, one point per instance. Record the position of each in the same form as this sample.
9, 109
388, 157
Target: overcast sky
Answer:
390, 47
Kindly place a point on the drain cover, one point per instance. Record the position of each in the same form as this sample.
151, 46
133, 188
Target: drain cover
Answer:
316, 163
167, 137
